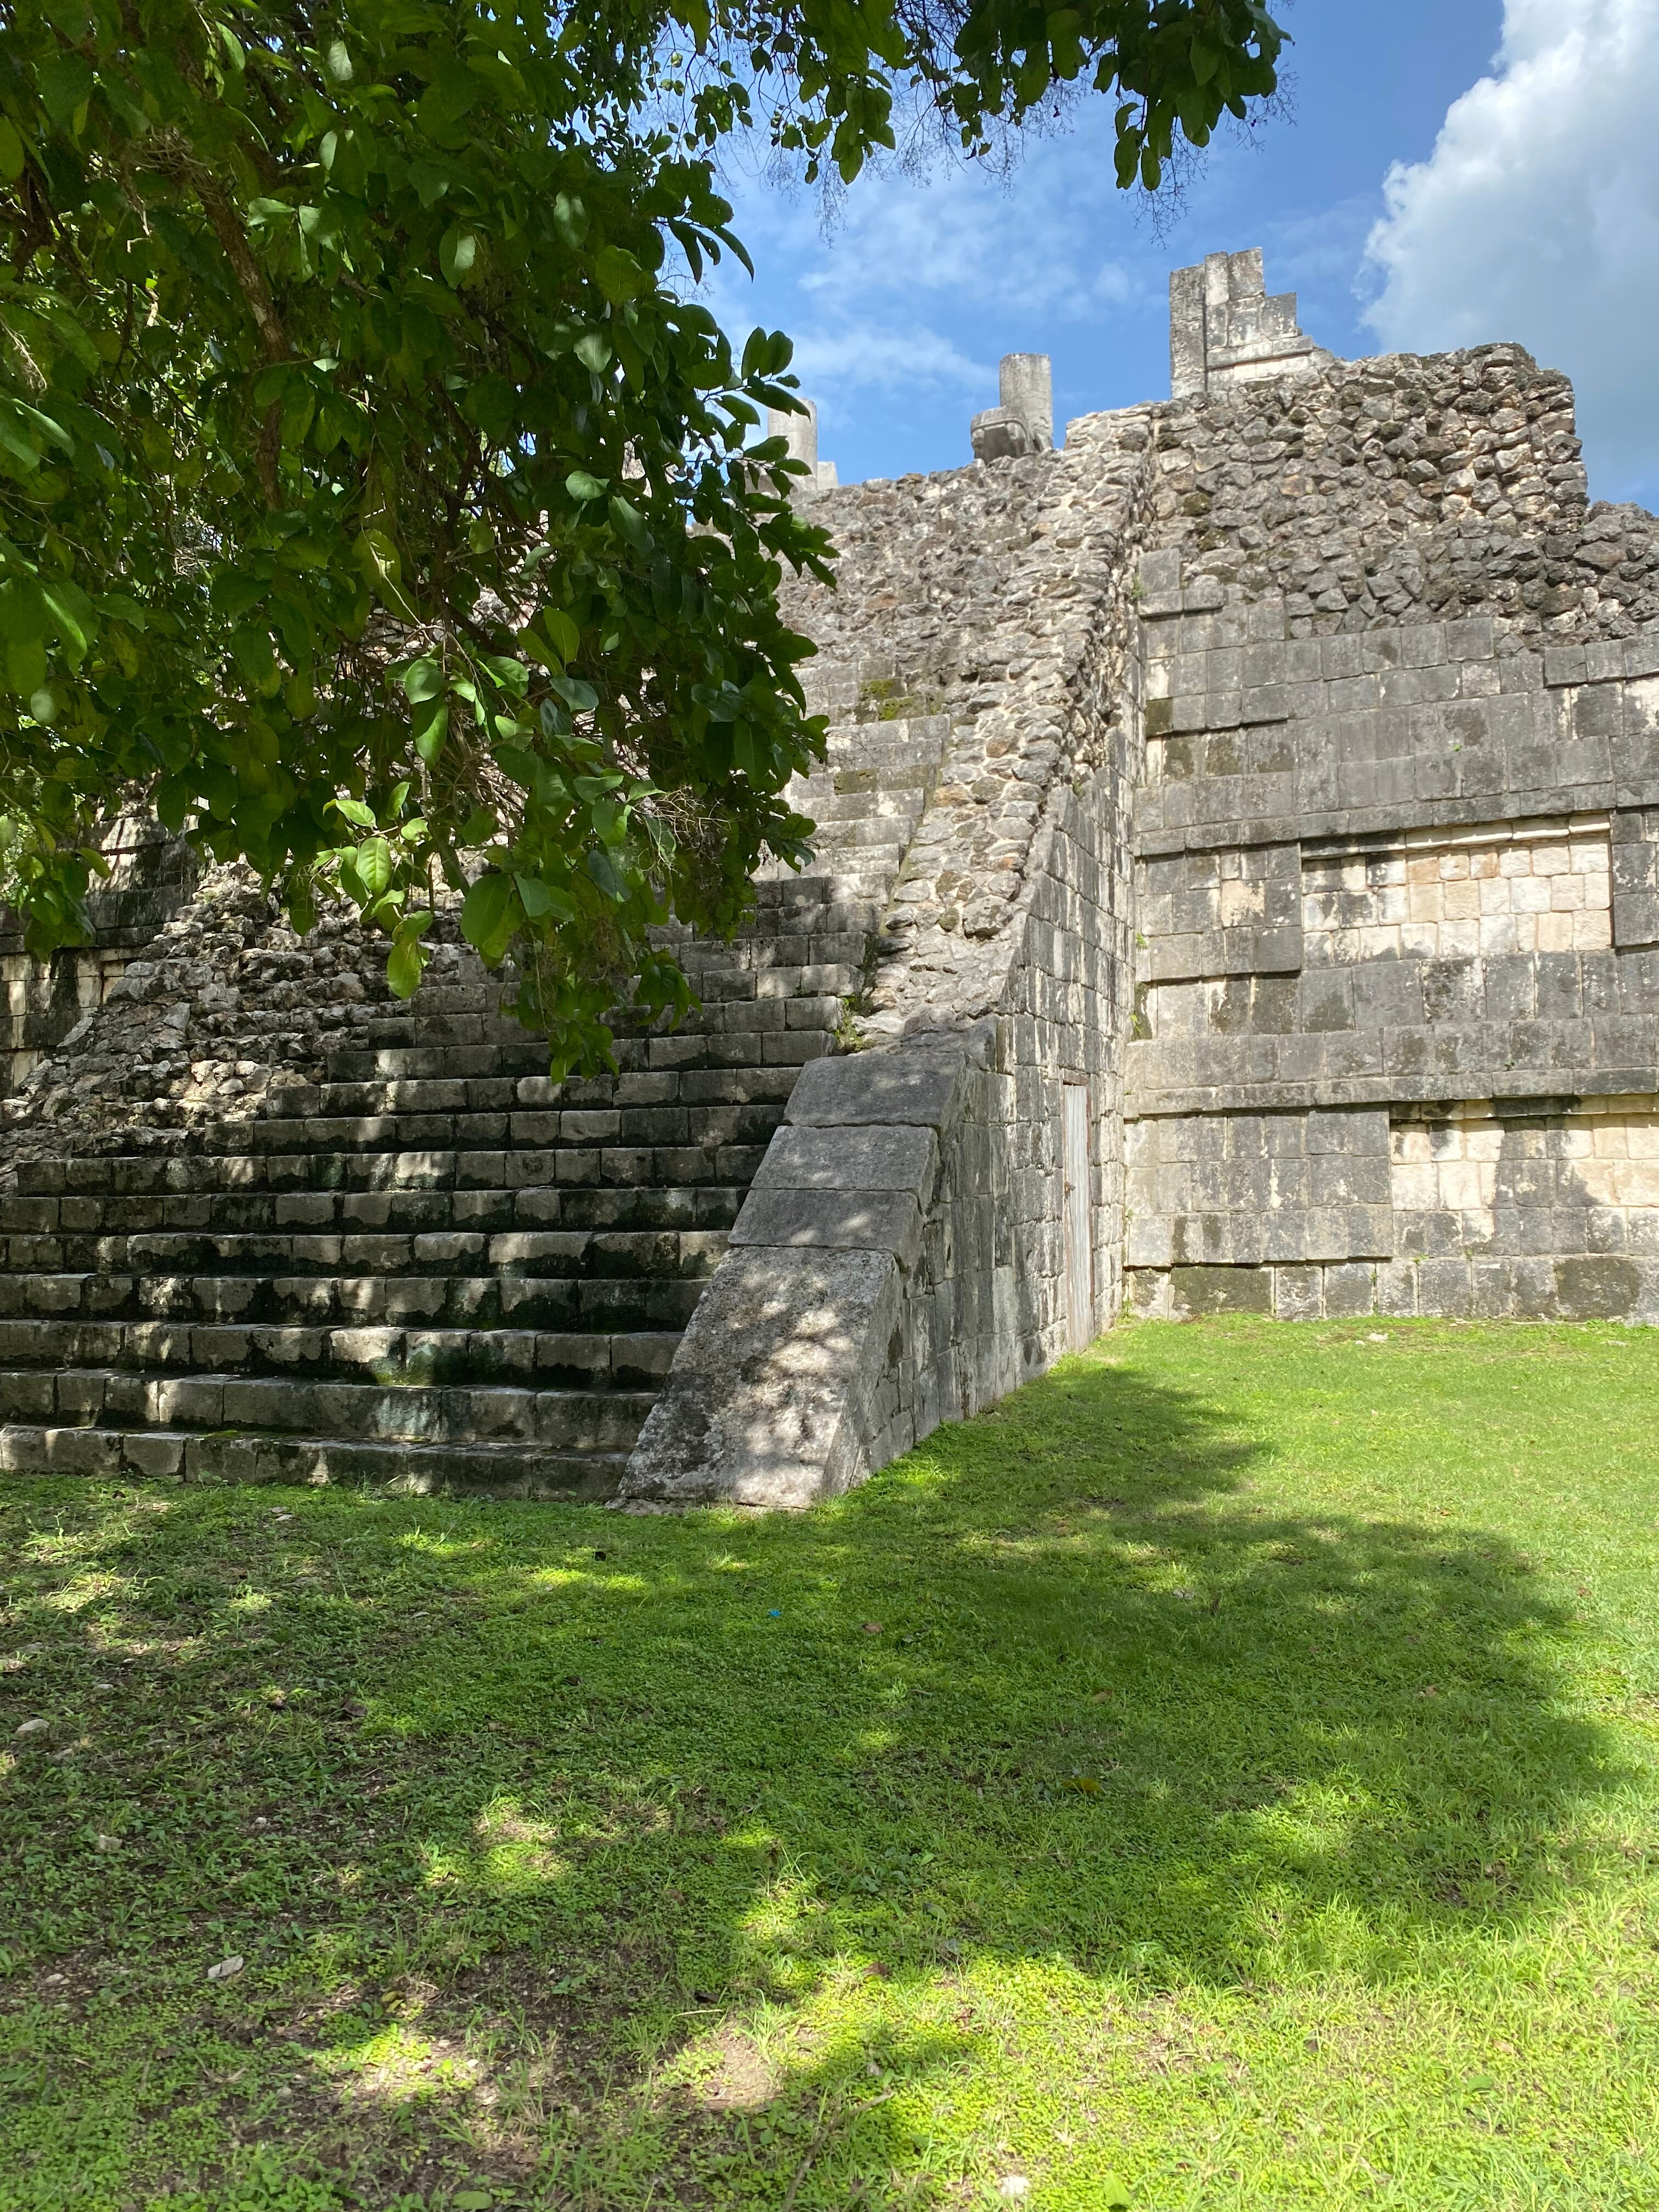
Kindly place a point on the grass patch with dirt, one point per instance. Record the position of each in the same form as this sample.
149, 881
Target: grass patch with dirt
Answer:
1222, 1776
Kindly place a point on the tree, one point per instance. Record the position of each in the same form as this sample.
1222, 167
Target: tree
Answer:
376, 498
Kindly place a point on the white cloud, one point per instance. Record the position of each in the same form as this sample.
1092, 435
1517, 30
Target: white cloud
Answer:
1024, 244
1536, 218
864, 356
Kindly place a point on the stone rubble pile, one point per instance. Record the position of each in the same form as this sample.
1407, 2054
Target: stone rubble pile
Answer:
1394, 490
224, 1003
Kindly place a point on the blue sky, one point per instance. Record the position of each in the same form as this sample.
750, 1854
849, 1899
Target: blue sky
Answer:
1451, 170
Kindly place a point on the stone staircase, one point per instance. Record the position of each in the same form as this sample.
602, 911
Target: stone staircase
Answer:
435, 1268
868, 798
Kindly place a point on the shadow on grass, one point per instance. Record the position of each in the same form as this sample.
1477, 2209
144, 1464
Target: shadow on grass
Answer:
591, 1854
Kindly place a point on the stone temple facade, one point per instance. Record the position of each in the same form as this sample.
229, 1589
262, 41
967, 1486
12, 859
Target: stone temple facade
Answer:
1237, 890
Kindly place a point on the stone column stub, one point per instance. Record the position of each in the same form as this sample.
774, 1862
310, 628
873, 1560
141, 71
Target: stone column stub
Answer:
1225, 330
1023, 420
800, 433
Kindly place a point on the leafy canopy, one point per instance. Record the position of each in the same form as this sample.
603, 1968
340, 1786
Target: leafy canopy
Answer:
374, 498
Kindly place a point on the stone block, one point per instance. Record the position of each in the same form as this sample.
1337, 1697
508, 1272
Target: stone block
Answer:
910, 1085
93, 1452
1196, 1291
1396, 1289
1159, 577
1298, 1293
1446, 1288
762, 1405
834, 1219
1202, 595
156, 1458
872, 1159
1146, 1294
1350, 1292
1596, 1287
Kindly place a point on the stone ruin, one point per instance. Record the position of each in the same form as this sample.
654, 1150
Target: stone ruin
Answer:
1237, 890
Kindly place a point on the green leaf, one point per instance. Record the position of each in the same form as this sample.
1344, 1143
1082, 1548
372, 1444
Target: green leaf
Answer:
22, 611
405, 964
338, 62
431, 728
423, 679
382, 565
255, 656
24, 418
354, 812
65, 86
512, 675
582, 487
375, 866
606, 874
22, 449
26, 666
491, 403
458, 249
592, 350
71, 610
1112, 2194
619, 275
11, 151
233, 593
489, 912
626, 516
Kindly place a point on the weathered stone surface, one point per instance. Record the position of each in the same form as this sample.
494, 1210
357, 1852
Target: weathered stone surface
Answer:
916, 1086
840, 1220
771, 1379
877, 1158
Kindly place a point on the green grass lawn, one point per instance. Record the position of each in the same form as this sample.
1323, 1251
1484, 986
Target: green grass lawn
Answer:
1222, 1776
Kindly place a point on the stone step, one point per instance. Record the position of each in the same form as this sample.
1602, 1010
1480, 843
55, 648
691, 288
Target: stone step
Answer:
639, 1361
792, 894
790, 969
110, 1398
736, 1036
624, 1203
590, 1166
394, 1050
502, 1470
906, 779
870, 828
797, 970
695, 1086
434, 1266
706, 1128
837, 811
535, 1254
878, 866
609, 1305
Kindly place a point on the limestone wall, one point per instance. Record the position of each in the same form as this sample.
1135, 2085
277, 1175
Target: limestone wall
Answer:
1396, 998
